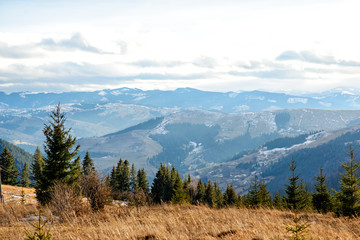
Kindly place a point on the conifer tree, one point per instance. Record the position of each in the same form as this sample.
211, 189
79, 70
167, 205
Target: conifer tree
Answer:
179, 195
59, 163
349, 195
37, 168
264, 195
219, 198
113, 179
123, 176
293, 197
210, 194
24, 180
305, 196
321, 199
230, 197
88, 164
142, 181
278, 201
253, 196
9, 172
133, 179
159, 183
200, 195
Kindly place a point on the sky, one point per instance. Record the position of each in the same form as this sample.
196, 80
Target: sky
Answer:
297, 46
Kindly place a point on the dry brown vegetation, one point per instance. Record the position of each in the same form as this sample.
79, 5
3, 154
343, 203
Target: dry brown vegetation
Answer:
172, 222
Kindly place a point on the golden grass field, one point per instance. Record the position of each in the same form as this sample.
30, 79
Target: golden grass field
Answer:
172, 222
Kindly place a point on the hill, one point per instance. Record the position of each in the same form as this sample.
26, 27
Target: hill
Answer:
325, 149
20, 155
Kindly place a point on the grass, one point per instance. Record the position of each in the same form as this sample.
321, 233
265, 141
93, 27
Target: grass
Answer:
173, 222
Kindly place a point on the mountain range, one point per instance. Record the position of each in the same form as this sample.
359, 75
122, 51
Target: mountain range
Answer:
227, 137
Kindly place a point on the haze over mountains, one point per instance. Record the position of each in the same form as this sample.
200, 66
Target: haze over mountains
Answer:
217, 136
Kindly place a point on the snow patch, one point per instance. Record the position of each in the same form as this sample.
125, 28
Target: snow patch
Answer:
297, 100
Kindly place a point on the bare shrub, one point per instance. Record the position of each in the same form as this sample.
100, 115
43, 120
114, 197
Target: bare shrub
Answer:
65, 200
96, 190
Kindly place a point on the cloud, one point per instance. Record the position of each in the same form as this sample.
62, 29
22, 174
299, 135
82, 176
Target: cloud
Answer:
75, 42
307, 56
17, 52
205, 62
153, 63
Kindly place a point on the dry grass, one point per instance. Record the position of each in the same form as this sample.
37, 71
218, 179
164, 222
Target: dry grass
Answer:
174, 222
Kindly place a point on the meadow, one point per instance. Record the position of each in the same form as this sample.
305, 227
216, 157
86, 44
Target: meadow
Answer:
165, 222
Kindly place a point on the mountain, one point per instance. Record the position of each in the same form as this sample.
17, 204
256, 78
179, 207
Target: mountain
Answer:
103, 112
195, 139
19, 154
324, 149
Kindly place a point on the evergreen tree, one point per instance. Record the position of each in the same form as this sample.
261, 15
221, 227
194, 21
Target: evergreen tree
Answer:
349, 195
88, 164
293, 197
278, 202
321, 199
158, 186
133, 179
59, 163
179, 195
264, 196
9, 173
230, 197
200, 195
37, 167
142, 181
219, 198
210, 194
123, 176
24, 180
305, 196
113, 179
253, 197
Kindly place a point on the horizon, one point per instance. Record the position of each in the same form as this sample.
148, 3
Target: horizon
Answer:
276, 46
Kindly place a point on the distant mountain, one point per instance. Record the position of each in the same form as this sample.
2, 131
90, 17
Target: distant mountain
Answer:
188, 98
20, 155
195, 140
325, 149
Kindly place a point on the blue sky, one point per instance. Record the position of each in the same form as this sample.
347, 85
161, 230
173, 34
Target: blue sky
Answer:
273, 45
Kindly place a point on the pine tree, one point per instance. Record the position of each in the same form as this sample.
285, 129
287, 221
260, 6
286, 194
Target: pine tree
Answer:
9, 172
179, 195
321, 199
349, 194
113, 180
219, 198
59, 163
24, 180
210, 194
133, 179
158, 186
37, 167
293, 195
123, 176
200, 195
253, 196
142, 181
264, 196
230, 197
305, 196
88, 164
278, 202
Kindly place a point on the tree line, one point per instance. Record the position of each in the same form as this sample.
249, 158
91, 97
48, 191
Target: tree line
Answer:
62, 163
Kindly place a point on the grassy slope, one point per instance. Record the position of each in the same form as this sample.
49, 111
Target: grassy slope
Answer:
174, 222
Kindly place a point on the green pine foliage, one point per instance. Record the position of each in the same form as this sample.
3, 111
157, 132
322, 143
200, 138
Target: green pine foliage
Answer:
200, 192
348, 197
24, 180
61, 149
219, 198
37, 167
87, 164
179, 195
230, 197
321, 198
142, 181
210, 196
293, 192
133, 179
9, 172
159, 187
